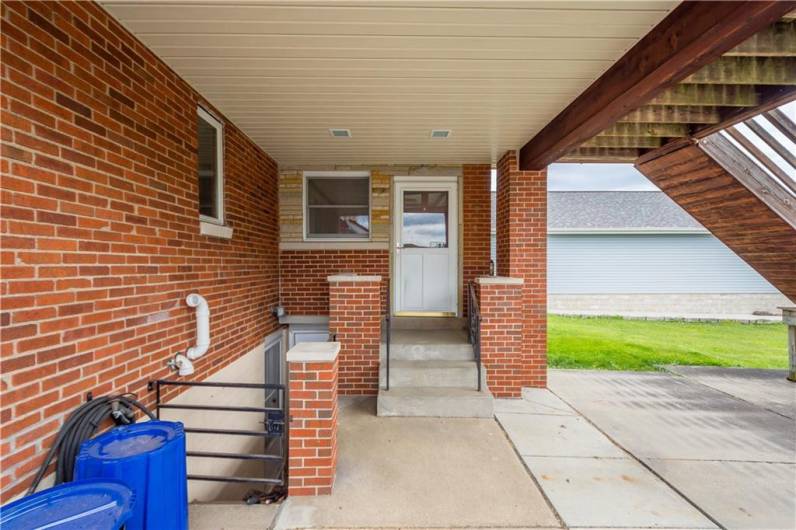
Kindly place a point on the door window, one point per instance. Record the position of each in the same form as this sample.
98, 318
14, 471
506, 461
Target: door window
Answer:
425, 219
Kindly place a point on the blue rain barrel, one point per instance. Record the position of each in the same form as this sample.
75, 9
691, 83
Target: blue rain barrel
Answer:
150, 458
82, 505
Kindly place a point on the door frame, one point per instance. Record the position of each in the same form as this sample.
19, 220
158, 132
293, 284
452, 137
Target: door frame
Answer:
430, 183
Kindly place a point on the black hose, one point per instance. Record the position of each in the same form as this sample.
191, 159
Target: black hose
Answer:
81, 425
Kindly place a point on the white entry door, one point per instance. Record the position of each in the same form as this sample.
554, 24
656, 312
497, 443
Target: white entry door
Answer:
426, 264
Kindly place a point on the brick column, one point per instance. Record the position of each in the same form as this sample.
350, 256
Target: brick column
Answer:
355, 312
312, 454
476, 224
500, 303
522, 253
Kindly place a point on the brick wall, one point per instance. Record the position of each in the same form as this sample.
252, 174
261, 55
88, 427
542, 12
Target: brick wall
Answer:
355, 322
522, 253
100, 231
304, 275
500, 304
476, 224
313, 426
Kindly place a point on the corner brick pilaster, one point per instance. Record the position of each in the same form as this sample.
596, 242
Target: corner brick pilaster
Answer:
355, 322
500, 303
312, 454
522, 253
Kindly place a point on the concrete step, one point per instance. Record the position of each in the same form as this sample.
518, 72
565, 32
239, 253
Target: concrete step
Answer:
456, 374
435, 402
428, 345
414, 323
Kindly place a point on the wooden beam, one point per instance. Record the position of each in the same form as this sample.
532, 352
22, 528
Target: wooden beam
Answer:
651, 142
708, 95
692, 35
602, 155
770, 97
664, 114
755, 179
661, 130
778, 40
786, 154
761, 157
783, 123
747, 71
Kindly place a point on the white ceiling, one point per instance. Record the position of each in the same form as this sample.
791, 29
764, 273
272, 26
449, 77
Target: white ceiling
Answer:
493, 72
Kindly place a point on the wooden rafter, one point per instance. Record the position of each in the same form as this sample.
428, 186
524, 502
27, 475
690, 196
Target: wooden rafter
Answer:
783, 123
693, 35
674, 115
778, 40
708, 95
745, 71
661, 130
651, 142
602, 155
786, 154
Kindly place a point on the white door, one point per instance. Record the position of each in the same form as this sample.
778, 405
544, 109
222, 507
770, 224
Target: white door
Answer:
426, 264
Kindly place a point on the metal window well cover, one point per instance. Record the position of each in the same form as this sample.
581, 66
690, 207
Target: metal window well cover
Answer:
82, 505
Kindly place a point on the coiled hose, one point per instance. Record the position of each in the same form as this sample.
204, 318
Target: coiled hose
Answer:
81, 425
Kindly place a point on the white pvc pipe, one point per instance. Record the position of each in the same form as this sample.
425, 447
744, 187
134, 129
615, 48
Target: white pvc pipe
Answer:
202, 326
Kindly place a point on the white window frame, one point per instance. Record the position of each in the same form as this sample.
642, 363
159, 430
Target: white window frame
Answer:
305, 206
218, 125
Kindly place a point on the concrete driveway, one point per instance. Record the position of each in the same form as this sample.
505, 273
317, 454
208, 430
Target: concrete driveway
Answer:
723, 439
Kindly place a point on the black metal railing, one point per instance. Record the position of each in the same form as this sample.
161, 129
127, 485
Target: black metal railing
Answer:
387, 325
274, 432
474, 327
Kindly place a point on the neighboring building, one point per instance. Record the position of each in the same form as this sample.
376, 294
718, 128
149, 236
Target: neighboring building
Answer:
637, 251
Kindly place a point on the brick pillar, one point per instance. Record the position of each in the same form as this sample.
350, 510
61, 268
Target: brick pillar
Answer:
522, 253
476, 224
500, 303
355, 313
312, 454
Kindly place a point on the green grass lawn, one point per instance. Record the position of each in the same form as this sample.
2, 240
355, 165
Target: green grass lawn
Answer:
619, 344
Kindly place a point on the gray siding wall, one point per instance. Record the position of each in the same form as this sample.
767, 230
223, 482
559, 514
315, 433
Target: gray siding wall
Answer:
654, 263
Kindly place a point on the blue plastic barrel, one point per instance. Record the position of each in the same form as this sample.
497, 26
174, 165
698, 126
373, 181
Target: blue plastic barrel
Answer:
81, 505
150, 458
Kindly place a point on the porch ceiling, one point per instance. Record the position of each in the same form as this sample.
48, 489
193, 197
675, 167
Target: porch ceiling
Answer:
494, 72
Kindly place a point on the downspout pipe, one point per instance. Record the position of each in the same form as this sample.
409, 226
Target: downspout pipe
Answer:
198, 302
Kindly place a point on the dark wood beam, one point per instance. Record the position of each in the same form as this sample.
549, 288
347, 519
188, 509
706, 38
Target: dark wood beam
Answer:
692, 35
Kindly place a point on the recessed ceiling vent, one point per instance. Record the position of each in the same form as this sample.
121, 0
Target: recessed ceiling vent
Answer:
440, 133
340, 133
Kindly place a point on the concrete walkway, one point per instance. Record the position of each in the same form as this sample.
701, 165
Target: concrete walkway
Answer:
589, 480
731, 457
421, 473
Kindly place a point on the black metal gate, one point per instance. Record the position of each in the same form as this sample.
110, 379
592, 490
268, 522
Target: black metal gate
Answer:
274, 433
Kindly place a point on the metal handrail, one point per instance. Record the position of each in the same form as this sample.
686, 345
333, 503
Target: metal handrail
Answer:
388, 322
474, 327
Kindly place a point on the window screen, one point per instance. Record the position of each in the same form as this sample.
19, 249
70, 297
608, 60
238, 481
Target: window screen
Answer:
338, 207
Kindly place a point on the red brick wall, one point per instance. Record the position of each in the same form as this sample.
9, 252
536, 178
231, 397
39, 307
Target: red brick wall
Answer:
313, 427
476, 226
522, 253
303, 275
355, 322
100, 230
501, 337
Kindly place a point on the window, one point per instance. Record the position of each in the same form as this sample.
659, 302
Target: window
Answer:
337, 206
211, 167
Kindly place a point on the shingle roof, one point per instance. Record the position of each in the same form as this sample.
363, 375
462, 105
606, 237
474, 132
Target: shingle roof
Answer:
615, 210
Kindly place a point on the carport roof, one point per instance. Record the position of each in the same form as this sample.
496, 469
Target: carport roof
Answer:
494, 72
